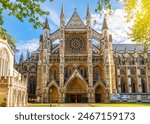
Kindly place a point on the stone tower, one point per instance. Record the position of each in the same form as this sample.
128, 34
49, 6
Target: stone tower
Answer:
108, 58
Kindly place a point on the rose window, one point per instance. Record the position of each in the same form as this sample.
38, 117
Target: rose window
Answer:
75, 44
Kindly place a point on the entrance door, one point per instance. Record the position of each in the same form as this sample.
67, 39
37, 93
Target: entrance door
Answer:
73, 98
97, 98
100, 95
79, 98
76, 98
76, 90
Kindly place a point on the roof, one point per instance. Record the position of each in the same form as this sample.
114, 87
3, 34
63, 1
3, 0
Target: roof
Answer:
128, 47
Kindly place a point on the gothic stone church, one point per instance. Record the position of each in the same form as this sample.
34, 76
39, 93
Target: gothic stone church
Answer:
77, 71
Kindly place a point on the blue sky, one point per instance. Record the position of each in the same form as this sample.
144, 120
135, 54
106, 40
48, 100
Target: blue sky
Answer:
27, 37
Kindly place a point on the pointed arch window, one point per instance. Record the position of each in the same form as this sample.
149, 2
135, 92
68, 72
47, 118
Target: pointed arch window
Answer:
83, 71
32, 86
96, 75
143, 85
123, 86
133, 85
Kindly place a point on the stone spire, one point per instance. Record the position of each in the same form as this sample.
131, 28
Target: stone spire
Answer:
88, 14
62, 11
46, 25
62, 17
105, 26
88, 17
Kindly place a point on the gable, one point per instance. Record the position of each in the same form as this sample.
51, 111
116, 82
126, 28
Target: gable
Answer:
75, 22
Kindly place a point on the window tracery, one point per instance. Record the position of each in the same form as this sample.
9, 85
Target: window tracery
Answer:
75, 44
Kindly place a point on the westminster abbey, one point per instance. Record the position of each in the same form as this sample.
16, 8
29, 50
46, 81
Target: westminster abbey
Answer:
69, 68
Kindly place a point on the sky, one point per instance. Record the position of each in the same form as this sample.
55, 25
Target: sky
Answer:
28, 38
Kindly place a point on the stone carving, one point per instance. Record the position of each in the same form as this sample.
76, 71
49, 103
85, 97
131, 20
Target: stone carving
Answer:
75, 44
75, 22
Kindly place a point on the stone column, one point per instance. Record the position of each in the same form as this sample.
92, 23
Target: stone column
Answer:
129, 85
139, 81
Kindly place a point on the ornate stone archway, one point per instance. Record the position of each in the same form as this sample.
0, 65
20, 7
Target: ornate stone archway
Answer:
53, 94
76, 91
100, 94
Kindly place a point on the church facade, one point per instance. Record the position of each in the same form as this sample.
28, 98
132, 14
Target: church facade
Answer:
75, 70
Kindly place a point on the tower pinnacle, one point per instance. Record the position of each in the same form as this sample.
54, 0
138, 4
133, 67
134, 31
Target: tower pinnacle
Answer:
46, 25
105, 26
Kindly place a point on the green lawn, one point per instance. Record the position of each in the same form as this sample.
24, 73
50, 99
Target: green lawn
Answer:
93, 105
122, 105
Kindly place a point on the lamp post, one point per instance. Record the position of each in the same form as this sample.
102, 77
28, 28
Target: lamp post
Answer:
50, 96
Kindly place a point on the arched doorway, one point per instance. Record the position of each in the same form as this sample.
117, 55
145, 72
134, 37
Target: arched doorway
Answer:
53, 91
100, 94
76, 91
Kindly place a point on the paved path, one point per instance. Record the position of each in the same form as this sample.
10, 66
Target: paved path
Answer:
75, 105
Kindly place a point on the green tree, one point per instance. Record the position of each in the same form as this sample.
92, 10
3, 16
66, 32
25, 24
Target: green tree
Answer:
22, 9
137, 12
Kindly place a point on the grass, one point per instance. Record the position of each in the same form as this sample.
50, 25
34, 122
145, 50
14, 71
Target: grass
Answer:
121, 105
93, 105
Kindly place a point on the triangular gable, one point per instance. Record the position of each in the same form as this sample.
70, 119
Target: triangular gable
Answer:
75, 22
52, 83
75, 74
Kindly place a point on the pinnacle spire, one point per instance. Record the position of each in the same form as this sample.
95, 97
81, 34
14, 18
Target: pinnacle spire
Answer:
62, 11
46, 25
88, 11
105, 26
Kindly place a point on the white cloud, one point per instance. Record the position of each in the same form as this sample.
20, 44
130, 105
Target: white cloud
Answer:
118, 26
23, 46
32, 45
54, 17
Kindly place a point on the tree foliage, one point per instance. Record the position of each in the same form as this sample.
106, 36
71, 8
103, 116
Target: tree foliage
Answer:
22, 9
137, 12
103, 5
5, 35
